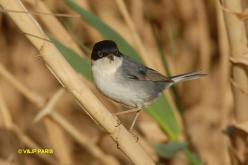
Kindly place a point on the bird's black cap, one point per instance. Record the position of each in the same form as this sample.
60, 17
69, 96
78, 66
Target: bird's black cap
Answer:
104, 48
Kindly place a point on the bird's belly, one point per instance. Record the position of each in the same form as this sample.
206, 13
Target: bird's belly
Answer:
119, 91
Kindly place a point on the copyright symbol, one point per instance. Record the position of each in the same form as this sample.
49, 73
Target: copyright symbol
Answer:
19, 151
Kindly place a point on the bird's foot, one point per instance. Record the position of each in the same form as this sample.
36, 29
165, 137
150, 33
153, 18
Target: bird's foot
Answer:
134, 135
118, 123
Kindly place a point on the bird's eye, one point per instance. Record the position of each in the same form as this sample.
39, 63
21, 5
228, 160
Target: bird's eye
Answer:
100, 54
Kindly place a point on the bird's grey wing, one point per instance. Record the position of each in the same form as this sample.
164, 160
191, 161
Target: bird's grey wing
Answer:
137, 71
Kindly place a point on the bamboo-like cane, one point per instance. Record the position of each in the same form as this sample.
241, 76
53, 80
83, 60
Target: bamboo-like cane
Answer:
57, 30
238, 43
70, 80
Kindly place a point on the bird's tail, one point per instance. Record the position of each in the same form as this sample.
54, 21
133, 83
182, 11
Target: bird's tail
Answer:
187, 76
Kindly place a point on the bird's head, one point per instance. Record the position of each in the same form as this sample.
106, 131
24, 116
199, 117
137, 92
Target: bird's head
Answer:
105, 49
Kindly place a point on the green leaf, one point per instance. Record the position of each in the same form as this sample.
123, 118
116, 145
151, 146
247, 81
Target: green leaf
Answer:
161, 111
80, 64
169, 149
194, 159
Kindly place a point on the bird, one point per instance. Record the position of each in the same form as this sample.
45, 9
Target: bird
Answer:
127, 81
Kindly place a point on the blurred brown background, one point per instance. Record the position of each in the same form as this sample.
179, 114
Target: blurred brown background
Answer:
193, 37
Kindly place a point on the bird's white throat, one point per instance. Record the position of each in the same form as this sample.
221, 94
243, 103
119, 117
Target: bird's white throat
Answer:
104, 74
106, 65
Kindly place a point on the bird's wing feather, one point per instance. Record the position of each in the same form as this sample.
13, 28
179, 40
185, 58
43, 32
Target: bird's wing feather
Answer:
135, 70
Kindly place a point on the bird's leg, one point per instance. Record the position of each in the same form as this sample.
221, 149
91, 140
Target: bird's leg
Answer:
135, 119
137, 113
125, 112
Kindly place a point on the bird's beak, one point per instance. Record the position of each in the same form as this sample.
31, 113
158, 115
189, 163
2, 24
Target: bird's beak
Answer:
110, 57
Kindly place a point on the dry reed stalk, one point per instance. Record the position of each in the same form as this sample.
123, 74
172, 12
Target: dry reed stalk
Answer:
236, 85
243, 126
143, 27
243, 59
54, 26
30, 95
59, 145
152, 62
223, 78
71, 81
110, 17
5, 115
94, 35
242, 15
204, 40
137, 14
41, 13
80, 138
238, 44
50, 105
224, 61
84, 141
148, 149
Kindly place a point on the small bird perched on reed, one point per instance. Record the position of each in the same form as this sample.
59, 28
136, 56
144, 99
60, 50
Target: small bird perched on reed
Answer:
127, 81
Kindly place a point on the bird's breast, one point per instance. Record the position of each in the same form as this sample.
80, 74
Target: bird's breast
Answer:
112, 82
108, 80
104, 73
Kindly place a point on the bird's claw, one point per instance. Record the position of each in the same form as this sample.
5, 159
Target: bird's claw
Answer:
134, 135
118, 123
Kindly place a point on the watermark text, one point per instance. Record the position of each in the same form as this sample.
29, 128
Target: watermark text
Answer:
35, 151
